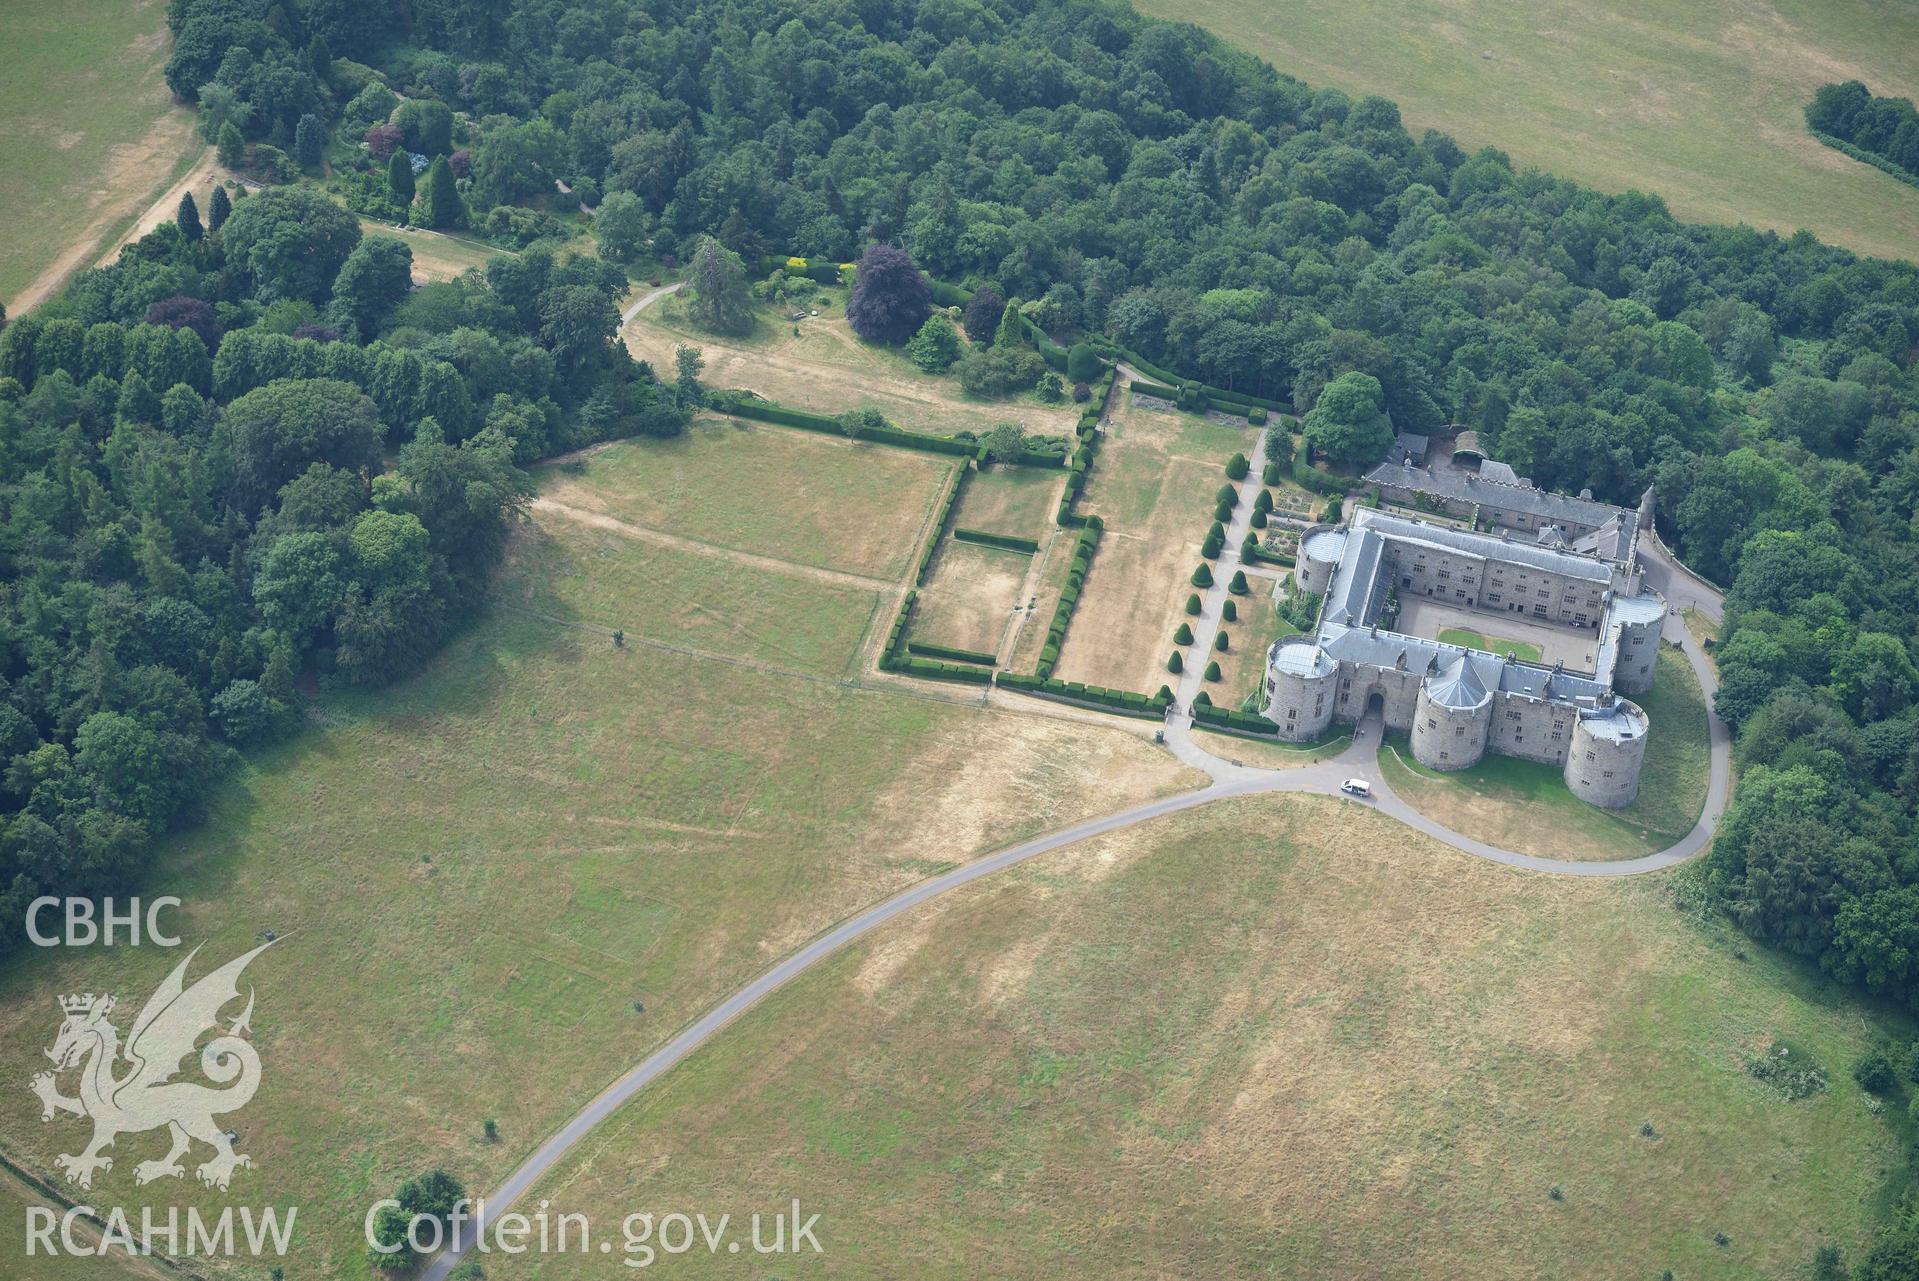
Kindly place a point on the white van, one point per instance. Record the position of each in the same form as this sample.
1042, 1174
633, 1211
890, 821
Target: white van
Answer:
1357, 787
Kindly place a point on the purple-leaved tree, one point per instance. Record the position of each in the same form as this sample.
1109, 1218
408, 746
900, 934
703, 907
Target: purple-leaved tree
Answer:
891, 298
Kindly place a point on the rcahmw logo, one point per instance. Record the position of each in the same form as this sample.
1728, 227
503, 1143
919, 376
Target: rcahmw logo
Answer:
132, 1090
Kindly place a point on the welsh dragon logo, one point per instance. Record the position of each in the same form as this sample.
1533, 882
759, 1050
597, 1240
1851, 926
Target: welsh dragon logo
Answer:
131, 1091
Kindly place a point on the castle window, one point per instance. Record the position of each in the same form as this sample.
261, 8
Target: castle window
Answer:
1608, 773
1431, 723
1492, 598
1591, 756
1292, 713
1459, 731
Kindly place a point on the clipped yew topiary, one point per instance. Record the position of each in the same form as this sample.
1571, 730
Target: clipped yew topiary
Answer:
1219, 641
1175, 664
1259, 519
1164, 696
1226, 494
1264, 503
1184, 636
1230, 612
1212, 673
1192, 604
1238, 586
1237, 467
1203, 576
1271, 475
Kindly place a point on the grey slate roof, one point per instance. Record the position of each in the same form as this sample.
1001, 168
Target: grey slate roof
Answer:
1485, 546
1468, 488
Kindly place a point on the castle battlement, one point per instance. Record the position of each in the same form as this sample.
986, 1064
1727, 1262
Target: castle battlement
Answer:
1455, 702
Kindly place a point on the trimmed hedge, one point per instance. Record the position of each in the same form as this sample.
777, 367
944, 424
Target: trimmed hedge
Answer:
939, 527
1069, 595
951, 295
1005, 542
1155, 390
1082, 462
1325, 484
1241, 722
767, 411
956, 655
932, 670
1119, 700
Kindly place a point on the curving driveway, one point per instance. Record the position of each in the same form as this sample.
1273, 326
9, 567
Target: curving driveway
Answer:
1229, 780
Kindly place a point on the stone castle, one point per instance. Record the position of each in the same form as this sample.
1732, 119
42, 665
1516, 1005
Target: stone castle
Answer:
1558, 569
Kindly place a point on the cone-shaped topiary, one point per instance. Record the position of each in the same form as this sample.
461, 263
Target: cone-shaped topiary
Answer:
1264, 503
1192, 604
1259, 518
1238, 586
1212, 671
1203, 576
1202, 699
1165, 695
1223, 512
1237, 467
1184, 636
1175, 664
1230, 612
1271, 474
1226, 494
1219, 641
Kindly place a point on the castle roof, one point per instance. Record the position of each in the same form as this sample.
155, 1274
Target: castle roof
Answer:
1465, 487
1457, 684
1484, 546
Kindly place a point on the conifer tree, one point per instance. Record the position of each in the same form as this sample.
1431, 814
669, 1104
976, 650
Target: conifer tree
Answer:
189, 218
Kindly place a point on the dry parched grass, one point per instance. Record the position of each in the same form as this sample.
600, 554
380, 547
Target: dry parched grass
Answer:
482, 874
968, 600
1270, 1037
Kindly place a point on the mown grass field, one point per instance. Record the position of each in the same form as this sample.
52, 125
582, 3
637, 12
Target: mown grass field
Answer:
501, 882
1697, 100
774, 491
1525, 806
1273, 1037
89, 134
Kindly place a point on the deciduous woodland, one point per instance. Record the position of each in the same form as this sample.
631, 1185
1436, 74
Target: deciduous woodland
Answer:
247, 450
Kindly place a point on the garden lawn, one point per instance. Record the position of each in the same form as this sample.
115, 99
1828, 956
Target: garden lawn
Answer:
1153, 484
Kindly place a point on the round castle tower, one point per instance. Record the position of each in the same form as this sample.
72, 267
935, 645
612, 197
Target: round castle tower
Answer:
1608, 747
1640, 619
1451, 717
1300, 689
1320, 548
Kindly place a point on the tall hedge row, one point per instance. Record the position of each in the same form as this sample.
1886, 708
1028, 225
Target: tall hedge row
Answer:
1005, 542
1119, 700
1069, 595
